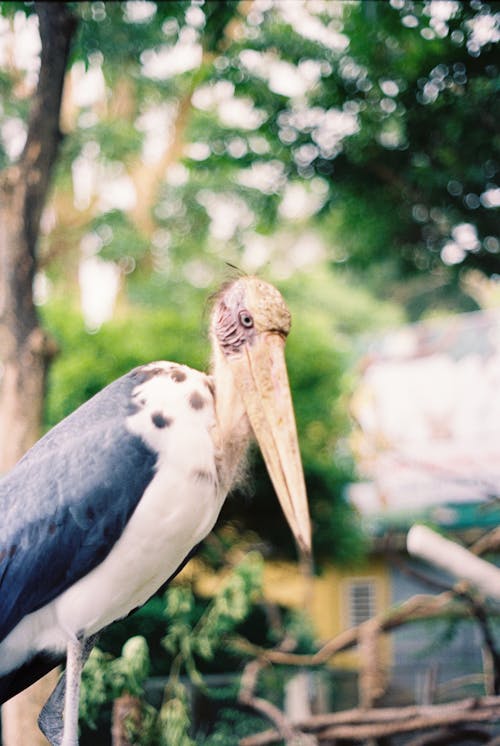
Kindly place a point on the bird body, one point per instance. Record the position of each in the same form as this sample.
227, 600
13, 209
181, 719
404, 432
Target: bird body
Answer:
165, 455
109, 505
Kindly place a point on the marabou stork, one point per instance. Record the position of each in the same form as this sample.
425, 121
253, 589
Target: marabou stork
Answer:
110, 503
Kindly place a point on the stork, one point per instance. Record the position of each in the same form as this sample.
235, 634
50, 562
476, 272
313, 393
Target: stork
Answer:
110, 504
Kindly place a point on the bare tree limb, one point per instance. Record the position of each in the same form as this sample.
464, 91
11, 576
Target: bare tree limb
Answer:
476, 606
371, 730
448, 555
414, 609
490, 542
463, 564
479, 613
360, 724
290, 734
366, 723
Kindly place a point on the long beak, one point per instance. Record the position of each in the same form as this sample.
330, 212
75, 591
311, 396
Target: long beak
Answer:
262, 379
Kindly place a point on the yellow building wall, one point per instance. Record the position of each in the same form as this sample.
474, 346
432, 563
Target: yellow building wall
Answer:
325, 597
327, 601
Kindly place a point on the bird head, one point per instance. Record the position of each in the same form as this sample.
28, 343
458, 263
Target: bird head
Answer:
250, 324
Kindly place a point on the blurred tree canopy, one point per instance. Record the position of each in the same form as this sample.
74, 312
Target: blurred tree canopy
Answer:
323, 144
226, 126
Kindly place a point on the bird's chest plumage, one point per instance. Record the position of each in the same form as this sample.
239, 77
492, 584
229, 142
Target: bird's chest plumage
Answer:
173, 412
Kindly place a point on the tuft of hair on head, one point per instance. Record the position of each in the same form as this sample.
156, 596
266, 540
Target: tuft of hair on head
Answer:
233, 274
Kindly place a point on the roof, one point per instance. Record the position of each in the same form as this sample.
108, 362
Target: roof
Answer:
428, 423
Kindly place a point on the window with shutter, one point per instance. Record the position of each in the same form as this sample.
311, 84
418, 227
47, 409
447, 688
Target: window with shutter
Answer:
361, 600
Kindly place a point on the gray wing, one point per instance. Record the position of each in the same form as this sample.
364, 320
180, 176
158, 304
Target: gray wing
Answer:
65, 504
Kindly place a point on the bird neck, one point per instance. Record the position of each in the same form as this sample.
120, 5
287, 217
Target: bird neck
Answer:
232, 426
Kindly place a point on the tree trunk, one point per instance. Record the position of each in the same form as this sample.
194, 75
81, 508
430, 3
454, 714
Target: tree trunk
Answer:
25, 349
126, 720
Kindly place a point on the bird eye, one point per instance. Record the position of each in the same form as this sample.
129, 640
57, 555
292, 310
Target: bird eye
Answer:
245, 319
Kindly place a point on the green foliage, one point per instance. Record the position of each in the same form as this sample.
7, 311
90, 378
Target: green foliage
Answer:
405, 158
95, 690
418, 157
104, 679
131, 670
298, 626
228, 608
421, 97
88, 362
232, 725
121, 240
192, 636
175, 717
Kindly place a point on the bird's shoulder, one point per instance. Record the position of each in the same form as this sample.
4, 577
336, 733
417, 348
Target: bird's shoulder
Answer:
170, 398
122, 427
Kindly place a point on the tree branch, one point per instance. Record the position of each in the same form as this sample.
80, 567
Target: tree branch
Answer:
490, 542
426, 544
246, 696
359, 724
414, 609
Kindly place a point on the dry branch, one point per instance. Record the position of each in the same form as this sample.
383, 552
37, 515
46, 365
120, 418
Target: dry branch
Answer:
286, 730
366, 723
426, 544
490, 542
416, 608
360, 724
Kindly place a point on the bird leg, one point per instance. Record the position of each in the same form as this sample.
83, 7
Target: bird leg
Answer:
58, 719
74, 665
